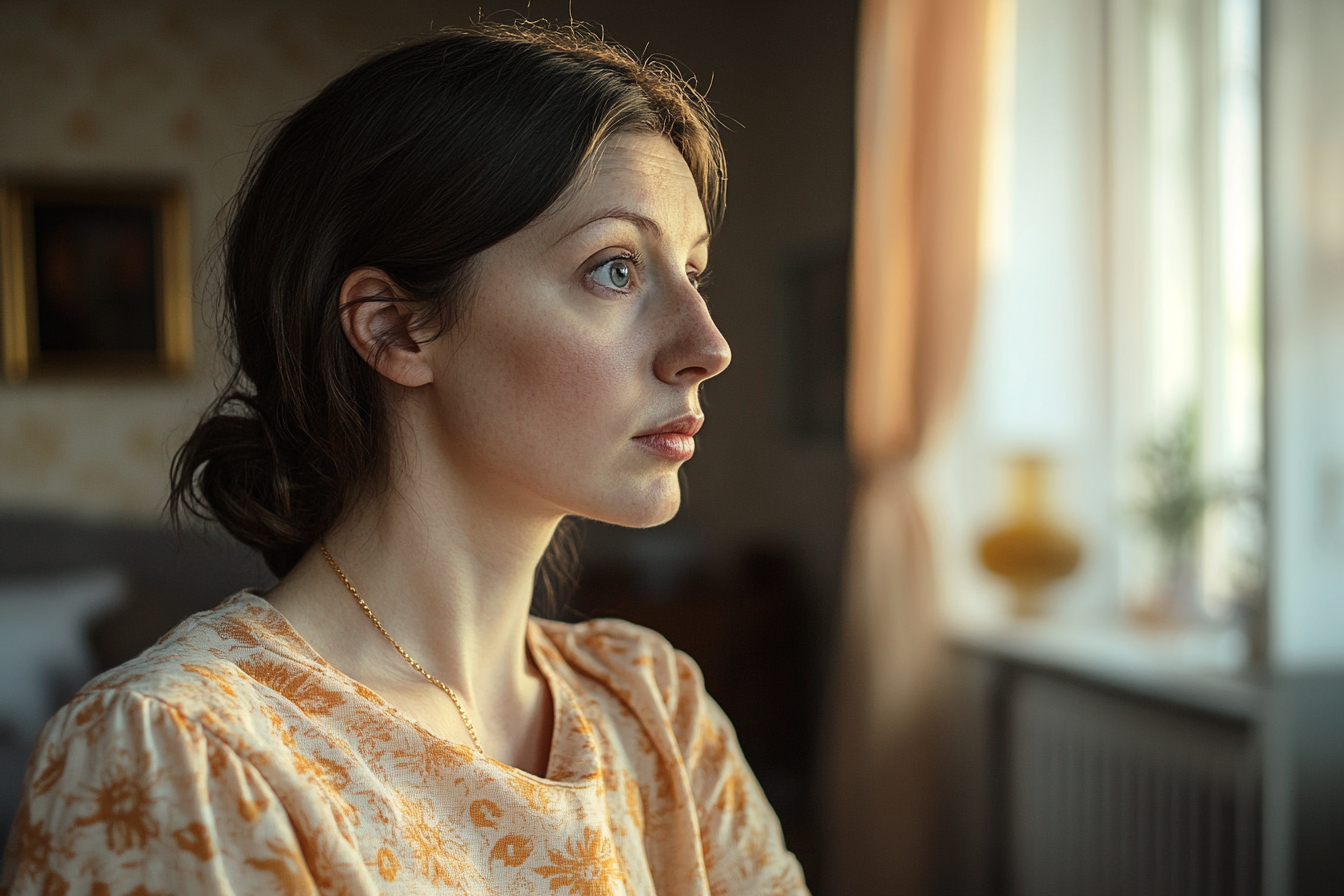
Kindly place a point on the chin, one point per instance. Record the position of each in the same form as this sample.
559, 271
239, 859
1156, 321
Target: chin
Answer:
653, 507
662, 516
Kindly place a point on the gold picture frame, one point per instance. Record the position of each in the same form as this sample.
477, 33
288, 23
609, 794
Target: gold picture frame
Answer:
95, 278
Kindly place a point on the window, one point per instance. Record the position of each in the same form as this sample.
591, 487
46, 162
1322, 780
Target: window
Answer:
1120, 307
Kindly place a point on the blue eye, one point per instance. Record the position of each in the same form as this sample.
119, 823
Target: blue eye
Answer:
699, 279
614, 274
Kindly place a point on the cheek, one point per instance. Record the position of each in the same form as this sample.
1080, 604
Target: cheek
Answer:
547, 401
571, 387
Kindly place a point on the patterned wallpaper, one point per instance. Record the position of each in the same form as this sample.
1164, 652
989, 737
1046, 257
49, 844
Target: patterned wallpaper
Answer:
157, 88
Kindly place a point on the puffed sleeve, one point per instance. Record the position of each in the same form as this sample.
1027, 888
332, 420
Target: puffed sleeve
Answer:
739, 831
125, 794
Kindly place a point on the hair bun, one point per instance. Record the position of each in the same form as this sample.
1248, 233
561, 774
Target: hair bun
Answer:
231, 470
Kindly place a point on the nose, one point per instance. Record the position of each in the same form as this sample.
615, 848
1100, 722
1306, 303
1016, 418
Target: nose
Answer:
694, 350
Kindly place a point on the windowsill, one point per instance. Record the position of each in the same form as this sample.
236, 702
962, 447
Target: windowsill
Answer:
1197, 668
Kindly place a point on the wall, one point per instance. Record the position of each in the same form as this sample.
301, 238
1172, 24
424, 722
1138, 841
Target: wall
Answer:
152, 86
143, 88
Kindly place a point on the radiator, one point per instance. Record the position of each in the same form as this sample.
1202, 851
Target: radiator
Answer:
1113, 796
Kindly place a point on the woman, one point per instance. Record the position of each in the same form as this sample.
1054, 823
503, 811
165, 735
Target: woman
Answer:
463, 289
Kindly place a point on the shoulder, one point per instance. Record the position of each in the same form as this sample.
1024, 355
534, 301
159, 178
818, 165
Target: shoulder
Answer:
614, 645
215, 669
628, 658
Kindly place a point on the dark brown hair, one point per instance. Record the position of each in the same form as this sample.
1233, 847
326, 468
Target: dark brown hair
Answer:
413, 162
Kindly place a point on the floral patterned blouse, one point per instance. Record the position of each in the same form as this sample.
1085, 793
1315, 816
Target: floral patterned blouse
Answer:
230, 758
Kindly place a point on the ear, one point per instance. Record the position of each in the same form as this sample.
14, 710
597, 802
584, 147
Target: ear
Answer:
380, 326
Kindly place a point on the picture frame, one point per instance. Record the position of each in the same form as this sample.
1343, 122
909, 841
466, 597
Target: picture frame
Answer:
95, 278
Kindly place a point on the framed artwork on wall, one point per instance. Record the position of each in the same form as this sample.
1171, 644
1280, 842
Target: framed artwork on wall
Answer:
95, 278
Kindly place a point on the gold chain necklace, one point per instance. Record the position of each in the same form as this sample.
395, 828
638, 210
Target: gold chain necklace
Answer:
452, 694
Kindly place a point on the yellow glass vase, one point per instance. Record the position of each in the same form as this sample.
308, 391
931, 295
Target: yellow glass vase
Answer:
1030, 550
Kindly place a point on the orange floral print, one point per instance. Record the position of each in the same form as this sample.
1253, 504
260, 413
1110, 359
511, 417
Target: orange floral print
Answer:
372, 731
238, 631
588, 868
387, 864
92, 718
229, 757
634, 801
195, 839
528, 788
438, 855
122, 803
318, 850
483, 814
285, 865
102, 889
433, 757
217, 758
298, 685
284, 732
211, 676
55, 885
326, 771
54, 768
250, 810
32, 844
732, 797
511, 849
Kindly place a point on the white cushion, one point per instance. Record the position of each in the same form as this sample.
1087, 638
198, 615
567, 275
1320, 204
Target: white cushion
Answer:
43, 646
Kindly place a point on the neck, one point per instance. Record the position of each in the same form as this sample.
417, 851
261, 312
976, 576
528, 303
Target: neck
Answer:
447, 571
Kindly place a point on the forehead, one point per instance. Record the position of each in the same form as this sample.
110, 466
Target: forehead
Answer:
640, 173
649, 160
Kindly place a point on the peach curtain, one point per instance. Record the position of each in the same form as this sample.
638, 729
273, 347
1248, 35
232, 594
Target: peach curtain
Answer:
920, 112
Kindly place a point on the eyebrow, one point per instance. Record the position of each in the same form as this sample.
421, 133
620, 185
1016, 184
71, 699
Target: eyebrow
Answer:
643, 222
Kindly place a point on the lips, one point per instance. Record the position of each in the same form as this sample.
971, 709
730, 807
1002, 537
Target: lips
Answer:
674, 440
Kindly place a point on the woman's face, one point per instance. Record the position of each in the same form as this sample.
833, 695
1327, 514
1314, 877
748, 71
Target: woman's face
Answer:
572, 384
